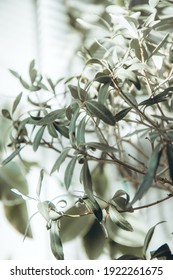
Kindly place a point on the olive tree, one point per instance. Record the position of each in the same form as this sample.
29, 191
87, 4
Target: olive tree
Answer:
113, 116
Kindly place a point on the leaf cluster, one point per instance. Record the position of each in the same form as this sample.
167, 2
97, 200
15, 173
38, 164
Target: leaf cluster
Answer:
126, 81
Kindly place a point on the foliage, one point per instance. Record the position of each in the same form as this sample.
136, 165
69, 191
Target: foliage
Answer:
126, 81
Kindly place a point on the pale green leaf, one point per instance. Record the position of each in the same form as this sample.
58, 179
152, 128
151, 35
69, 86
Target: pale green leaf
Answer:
148, 238
38, 137
52, 130
159, 46
14, 73
149, 176
69, 172
44, 209
94, 61
60, 160
100, 111
80, 137
11, 156
16, 102
93, 205
153, 3
75, 222
103, 93
55, 241
24, 83
130, 26
52, 116
6, 114
119, 220
100, 146
39, 186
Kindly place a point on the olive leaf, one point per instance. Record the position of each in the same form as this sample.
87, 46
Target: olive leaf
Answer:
55, 241
39, 186
119, 116
62, 129
16, 102
51, 117
100, 111
163, 252
17, 215
12, 156
103, 93
149, 176
80, 137
69, 172
93, 205
100, 146
60, 159
94, 241
148, 237
6, 114
118, 219
89, 199
38, 137
52, 130
76, 221
78, 92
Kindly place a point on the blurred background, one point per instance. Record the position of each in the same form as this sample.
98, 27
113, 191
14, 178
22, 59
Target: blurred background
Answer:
43, 30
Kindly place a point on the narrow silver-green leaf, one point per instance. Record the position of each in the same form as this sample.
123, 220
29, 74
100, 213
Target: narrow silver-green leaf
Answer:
13, 155
89, 199
149, 176
69, 172
14, 73
55, 241
60, 160
32, 71
94, 61
6, 114
52, 116
94, 207
148, 237
119, 220
51, 84
16, 102
44, 209
100, 111
72, 126
100, 146
80, 137
159, 45
52, 130
38, 189
24, 83
153, 3
103, 93
38, 138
